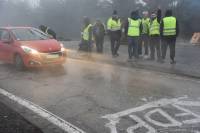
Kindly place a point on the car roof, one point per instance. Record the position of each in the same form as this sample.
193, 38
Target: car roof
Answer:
11, 28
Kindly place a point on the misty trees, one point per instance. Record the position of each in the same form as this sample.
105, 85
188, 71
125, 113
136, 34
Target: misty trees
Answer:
186, 11
14, 13
65, 16
188, 14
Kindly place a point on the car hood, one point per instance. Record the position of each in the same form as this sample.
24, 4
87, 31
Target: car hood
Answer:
44, 46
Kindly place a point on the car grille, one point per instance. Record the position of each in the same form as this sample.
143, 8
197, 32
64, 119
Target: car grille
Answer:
51, 56
53, 53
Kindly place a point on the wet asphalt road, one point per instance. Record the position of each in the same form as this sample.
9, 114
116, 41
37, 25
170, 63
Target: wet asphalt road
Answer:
82, 92
12, 122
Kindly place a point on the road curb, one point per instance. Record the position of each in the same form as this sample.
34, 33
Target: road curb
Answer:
73, 55
51, 120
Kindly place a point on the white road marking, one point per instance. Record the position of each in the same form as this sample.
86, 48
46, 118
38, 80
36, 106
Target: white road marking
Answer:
187, 112
182, 114
64, 125
156, 107
188, 103
144, 99
172, 121
140, 124
112, 125
162, 102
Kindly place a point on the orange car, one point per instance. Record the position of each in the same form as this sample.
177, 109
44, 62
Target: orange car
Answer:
29, 47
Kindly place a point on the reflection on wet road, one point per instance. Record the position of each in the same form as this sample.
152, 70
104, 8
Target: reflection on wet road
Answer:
81, 92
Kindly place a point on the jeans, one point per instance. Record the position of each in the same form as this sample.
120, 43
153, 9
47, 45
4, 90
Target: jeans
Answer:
133, 47
115, 42
171, 42
155, 45
144, 41
85, 46
99, 43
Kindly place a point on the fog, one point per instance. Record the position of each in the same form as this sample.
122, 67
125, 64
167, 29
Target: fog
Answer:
65, 16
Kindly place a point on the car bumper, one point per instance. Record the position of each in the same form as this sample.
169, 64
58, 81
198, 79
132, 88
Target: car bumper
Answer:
44, 59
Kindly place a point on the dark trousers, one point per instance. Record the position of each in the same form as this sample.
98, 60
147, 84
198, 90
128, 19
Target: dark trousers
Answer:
133, 47
115, 42
171, 42
85, 46
144, 41
99, 43
155, 46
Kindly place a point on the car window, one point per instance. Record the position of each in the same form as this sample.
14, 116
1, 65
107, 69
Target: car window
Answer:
4, 35
1, 31
29, 34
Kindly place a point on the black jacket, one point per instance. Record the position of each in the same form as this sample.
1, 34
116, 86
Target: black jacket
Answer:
99, 30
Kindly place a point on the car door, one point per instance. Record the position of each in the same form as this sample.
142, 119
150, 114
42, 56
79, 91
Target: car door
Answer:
1, 46
6, 46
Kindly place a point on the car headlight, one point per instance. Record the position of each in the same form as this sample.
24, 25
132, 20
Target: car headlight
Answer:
29, 50
62, 47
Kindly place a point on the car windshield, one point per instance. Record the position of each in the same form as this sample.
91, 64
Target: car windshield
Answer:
29, 34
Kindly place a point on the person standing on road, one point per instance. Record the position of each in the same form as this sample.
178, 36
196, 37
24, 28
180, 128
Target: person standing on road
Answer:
99, 33
114, 31
86, 36
133, 28
169, 31
154, 32
144, 40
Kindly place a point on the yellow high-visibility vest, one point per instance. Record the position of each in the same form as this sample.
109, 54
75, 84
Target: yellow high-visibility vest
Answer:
169, 26
113, 25
154, 27
134, 27
86, 33
145, 25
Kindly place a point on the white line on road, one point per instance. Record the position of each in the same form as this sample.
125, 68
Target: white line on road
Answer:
64, 125
155, 104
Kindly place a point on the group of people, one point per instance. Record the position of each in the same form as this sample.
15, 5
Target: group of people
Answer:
91, 33
149, 34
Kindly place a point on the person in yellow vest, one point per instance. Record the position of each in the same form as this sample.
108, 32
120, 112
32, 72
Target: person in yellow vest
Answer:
169, 31
154, 33
114, 31
86, 36
144, 40
133, 29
